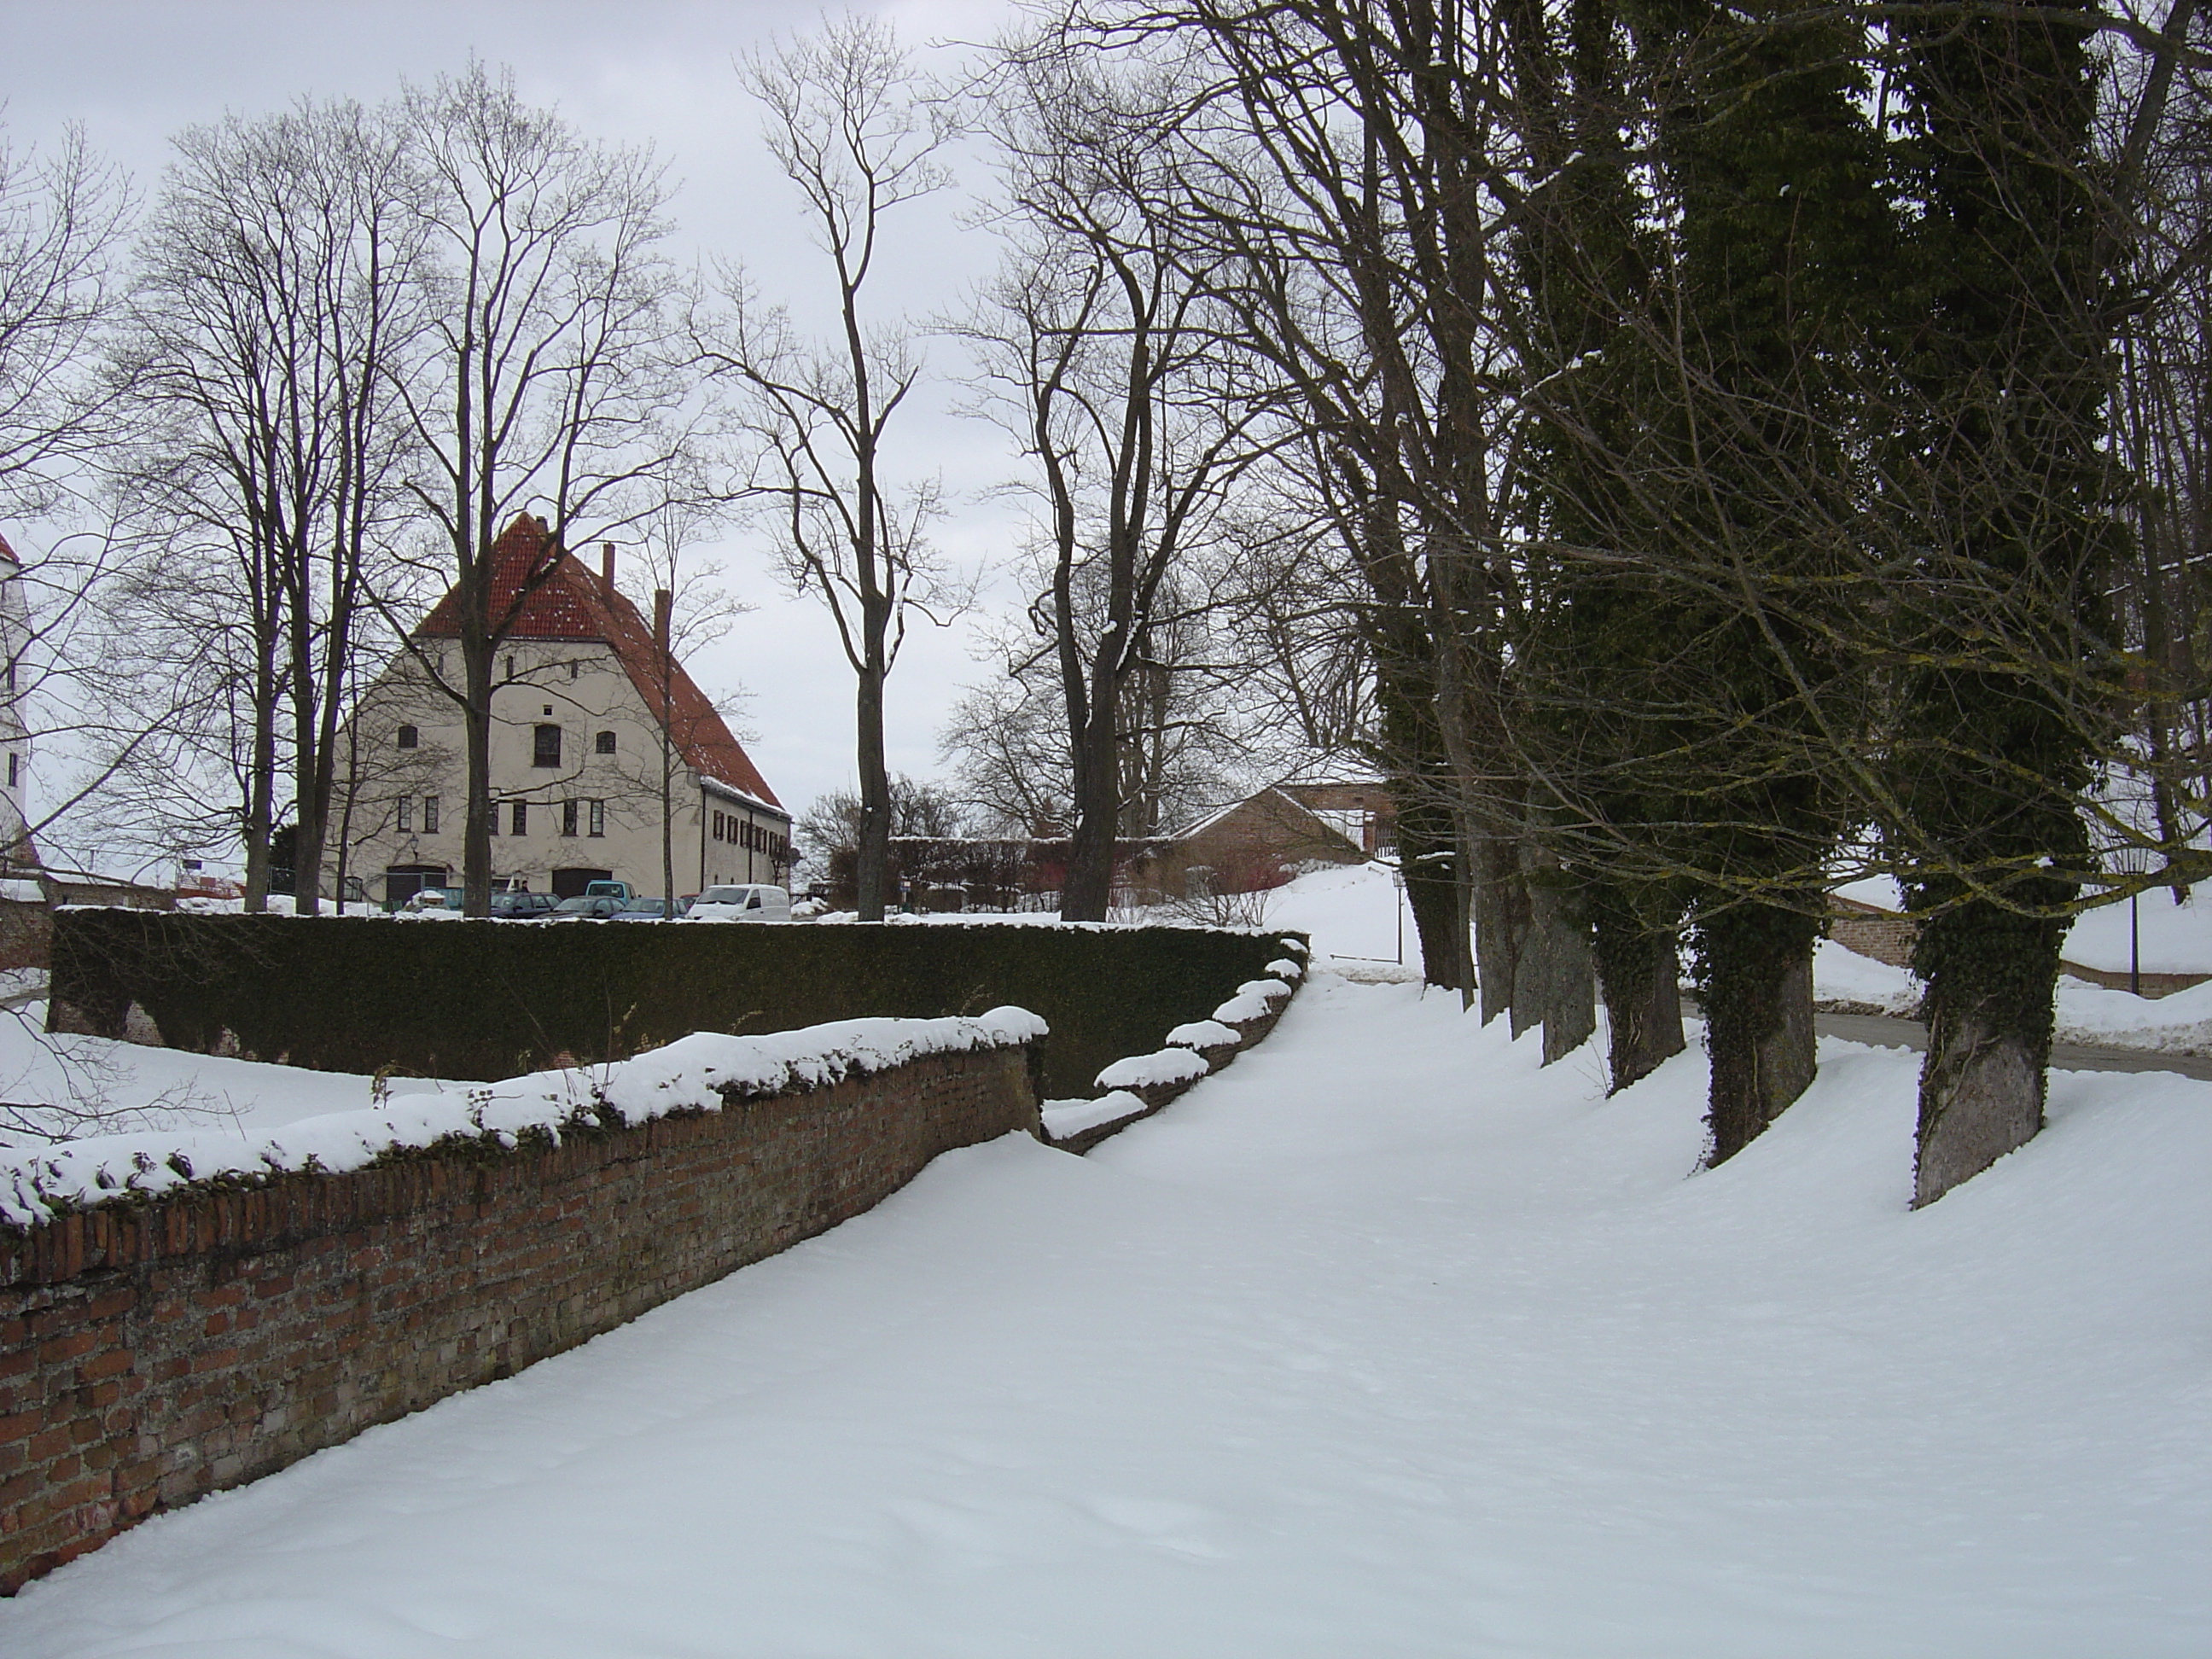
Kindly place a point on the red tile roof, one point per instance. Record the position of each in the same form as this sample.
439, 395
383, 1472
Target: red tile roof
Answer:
570, 601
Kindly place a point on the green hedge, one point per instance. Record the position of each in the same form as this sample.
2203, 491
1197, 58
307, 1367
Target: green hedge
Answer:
481, 999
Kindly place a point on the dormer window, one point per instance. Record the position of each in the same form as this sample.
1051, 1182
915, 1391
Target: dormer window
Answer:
409, 737
548, 750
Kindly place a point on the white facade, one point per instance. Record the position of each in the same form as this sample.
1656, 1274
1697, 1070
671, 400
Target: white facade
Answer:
579, 758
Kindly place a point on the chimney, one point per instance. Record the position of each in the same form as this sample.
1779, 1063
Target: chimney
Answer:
607, 565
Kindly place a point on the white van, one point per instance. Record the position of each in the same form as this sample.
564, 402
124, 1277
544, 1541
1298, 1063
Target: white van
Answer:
742, 904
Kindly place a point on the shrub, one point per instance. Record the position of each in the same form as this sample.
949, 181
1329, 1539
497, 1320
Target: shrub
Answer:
481, 999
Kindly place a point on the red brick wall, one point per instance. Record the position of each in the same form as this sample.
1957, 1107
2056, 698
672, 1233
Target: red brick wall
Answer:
153, 1352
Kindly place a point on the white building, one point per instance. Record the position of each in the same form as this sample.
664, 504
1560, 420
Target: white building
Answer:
588, 716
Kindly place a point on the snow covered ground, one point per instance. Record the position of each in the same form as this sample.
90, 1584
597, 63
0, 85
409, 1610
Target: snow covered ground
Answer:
1352, 914
2176, 938
138, 1088
1383, 1342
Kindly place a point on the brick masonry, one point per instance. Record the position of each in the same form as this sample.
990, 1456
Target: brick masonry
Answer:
153, 1352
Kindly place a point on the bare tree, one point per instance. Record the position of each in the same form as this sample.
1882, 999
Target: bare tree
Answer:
63, 219
1109, 358
273, 324
552, 378
848, 123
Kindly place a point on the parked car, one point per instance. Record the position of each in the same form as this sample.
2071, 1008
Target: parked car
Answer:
446, 900
589, 907
531, 907
616, 889
749, 903
646, 909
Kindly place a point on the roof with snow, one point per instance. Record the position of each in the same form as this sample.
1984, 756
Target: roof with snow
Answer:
1297, 807
546, 592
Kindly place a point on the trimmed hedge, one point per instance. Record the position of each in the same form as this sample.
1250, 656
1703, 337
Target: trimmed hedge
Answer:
484, 1000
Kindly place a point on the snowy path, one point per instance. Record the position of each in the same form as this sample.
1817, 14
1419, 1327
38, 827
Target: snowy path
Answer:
1382, 1344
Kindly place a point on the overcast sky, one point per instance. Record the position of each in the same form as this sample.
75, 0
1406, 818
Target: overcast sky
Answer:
135, 71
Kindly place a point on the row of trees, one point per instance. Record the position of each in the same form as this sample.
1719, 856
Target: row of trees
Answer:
1740, 447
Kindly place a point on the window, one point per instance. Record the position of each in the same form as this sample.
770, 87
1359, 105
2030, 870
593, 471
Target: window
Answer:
548, 750
522, 817
406, 819
567, 817
598, 817
430, 814
14, 770
409, 737
510, 668
574, 668
491, 820
606, 743
11, 676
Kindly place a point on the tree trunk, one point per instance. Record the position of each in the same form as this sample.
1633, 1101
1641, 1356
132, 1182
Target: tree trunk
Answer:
1554, 981
1992, 976
1088, 888
1425, 855
664, 609
872, 858
476, 832
1501, 922
1640, 974
260, 800
1755, 975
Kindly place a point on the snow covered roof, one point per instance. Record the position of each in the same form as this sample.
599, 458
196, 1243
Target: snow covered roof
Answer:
546, 593
1287, 799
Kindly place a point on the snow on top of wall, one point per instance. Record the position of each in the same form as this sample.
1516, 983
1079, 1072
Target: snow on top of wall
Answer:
1064, 1118
1163, 1070
1254, 998
1283, 968
1041, 919
1202, 1034
696, 1073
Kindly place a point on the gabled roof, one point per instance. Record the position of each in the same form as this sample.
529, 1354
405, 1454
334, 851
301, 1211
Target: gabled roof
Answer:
571, 602
1296, 806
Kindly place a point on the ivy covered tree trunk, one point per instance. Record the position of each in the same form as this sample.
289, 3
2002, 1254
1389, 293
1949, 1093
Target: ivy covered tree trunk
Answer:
1992, 978
1639, 973
2012, 480
1755, 965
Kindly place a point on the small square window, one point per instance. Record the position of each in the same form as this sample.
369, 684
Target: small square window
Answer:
598, 817
409, 737
606, 743
430, 814
522, 817
406, 818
